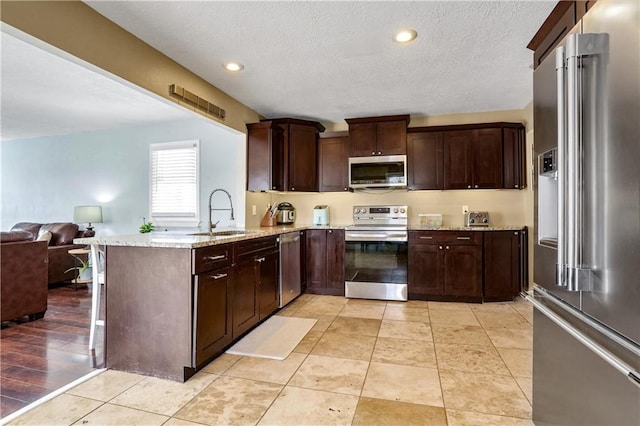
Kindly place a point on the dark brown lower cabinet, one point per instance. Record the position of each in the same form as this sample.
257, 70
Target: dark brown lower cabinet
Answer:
245, 309
445, 265
505, 264
211, 314
269, 297
325, 261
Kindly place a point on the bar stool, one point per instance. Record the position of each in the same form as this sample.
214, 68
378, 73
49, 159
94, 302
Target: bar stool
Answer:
97, 257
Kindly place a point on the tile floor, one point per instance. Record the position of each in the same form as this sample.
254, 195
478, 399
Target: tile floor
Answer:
363, 363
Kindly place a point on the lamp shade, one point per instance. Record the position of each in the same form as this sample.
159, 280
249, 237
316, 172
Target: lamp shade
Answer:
87, 214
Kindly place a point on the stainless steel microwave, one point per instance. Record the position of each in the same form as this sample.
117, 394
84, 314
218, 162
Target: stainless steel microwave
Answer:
385, 171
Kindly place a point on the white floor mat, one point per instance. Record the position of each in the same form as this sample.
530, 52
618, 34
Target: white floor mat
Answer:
275, 338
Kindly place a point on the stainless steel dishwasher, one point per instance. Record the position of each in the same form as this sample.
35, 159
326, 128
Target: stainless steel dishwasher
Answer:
290, 285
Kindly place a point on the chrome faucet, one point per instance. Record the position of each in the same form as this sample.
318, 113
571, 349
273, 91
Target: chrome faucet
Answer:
213, 225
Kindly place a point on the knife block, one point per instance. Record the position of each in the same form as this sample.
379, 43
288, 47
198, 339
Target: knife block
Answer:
267, 220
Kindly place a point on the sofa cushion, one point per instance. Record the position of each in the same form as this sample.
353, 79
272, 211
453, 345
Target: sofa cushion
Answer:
61, 233
7, 237
34, 228
44, 236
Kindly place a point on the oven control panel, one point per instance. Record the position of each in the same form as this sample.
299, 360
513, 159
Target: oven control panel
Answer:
362, 214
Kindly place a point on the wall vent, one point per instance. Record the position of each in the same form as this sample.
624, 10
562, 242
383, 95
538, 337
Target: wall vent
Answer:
196, 101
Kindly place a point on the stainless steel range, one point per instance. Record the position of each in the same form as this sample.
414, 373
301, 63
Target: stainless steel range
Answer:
376, 253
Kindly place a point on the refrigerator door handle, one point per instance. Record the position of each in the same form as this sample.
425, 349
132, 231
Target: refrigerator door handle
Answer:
561, 165
595, 347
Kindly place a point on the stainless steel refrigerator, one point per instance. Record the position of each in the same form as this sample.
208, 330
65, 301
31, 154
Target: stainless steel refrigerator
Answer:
586, 337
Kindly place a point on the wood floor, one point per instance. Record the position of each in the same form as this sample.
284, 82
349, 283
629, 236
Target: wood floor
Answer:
41, 356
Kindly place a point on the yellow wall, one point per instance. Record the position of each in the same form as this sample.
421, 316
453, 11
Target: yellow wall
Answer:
79, 30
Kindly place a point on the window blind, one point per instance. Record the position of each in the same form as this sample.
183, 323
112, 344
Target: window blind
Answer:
174, 180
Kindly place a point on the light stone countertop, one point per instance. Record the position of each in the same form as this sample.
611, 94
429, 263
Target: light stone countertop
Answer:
186, 240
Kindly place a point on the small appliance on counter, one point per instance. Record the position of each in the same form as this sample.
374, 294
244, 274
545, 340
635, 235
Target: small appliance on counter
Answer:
476, 219
286, 214
321, 215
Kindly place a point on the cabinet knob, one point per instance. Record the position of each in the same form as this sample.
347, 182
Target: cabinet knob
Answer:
273, 187
346, 189
440, 247
373, 153
411, 188
379, 152
515, 186
476, 186
448, 247
515, 233
330, 231
293, 189
468, 186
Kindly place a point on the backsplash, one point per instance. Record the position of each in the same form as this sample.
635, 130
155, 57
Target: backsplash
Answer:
506, 207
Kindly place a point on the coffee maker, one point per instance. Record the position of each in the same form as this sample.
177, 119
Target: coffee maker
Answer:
286, 214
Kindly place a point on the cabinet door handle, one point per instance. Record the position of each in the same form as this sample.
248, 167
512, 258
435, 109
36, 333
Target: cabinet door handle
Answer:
260, 259
218, 257
426, 238
218, 276
463, 238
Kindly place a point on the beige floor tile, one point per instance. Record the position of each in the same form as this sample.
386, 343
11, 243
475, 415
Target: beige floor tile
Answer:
466, 418
515, 338
415, 304
324, 321
366, 302
449, 306
519, 361
462, 334
308, 342
403, 383
371, 411
361, 326
107, 385
61, 410
406, 314
452, 317
484, 393
526, 384
287, 312
405, 352
221, 364
179, 422
337, 300
116, 415
331, 374
362, 311
475, 359
267, 370
499, 307
296, 406
320, 308
501, 319
350, 346
295, 305
305, 297
230, 401
163, 396
406, 330
526, 310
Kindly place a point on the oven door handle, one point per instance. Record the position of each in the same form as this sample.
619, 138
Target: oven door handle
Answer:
365, 236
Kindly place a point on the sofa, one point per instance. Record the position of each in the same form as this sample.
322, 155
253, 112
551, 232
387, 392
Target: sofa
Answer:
23, 276
60, 242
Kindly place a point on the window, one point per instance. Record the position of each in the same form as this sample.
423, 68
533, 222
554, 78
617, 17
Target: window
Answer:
173, 191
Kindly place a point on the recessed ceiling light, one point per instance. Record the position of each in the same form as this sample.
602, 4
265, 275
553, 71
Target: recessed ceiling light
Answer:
405, 36
233, 66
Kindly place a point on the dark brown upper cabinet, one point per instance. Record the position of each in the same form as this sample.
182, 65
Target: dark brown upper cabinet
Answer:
473, 159
282, 155
333, 167
514, 154
378, 135
425, 160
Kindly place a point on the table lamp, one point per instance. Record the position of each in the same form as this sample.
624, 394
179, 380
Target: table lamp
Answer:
87, 214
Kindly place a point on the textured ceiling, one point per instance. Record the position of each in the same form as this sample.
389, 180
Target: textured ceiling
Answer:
333, 60
45, 95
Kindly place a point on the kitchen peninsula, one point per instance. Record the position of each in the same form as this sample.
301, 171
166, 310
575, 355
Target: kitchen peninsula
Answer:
175, 301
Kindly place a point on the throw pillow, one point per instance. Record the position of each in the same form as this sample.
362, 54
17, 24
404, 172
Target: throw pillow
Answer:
44, 236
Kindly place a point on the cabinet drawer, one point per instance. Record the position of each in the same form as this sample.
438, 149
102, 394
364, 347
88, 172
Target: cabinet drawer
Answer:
247, 250
446, 237
212, 257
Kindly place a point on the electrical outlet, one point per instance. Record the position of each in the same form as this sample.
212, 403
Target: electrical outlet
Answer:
465, 209
253, 210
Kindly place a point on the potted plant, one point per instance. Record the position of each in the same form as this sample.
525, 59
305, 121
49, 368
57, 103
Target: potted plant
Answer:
146, 226
85, 272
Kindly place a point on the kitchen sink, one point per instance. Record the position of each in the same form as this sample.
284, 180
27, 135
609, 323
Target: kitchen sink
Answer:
226, 233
